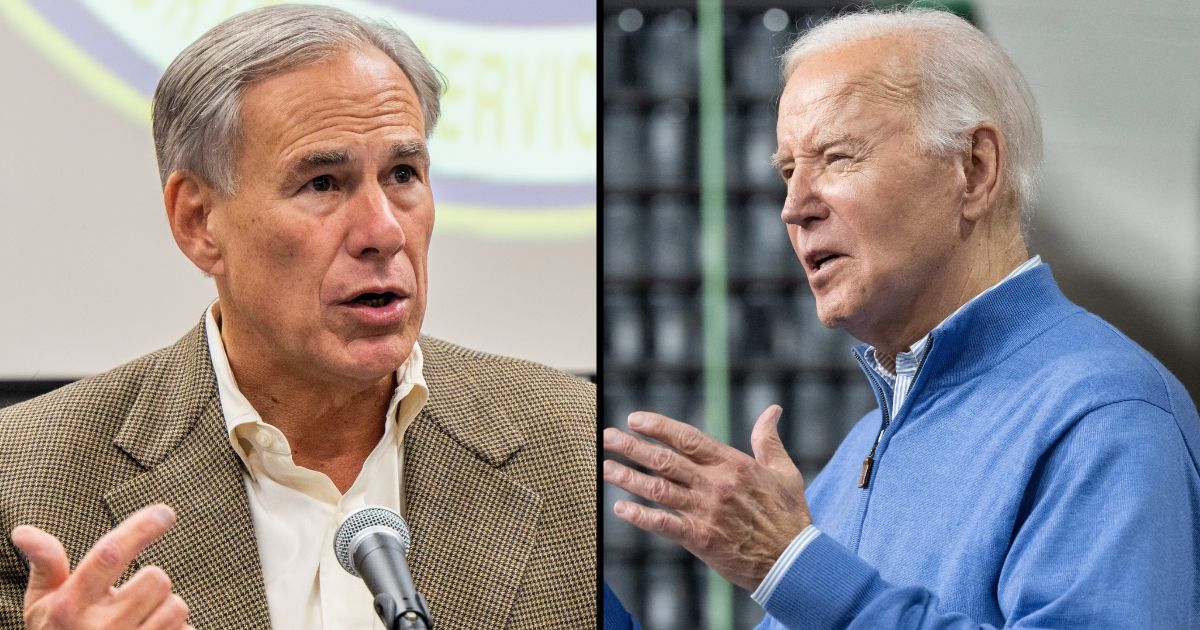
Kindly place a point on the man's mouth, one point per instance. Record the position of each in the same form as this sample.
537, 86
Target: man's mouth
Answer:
820, 262
375, 300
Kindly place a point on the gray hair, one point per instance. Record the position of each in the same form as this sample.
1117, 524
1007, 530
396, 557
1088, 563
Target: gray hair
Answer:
197, 104
965, 80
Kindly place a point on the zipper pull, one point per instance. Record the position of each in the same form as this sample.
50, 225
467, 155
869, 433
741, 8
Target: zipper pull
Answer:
866, 471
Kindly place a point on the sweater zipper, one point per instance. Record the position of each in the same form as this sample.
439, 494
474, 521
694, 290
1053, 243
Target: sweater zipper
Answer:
864, 478
869, 461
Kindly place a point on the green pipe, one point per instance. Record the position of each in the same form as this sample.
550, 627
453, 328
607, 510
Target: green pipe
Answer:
712, 253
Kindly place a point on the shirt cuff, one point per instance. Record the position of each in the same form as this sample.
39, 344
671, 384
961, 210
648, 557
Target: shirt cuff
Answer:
781, 566
826, 587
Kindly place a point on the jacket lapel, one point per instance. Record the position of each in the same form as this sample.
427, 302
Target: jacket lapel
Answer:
473, 526
175, 430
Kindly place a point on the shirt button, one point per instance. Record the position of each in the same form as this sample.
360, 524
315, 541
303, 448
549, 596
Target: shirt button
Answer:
263, 439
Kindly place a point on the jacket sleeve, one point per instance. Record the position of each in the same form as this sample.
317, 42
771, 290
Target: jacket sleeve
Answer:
1107, 537
13, 577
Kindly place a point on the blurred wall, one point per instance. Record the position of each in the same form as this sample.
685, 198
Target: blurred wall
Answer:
91, 276
1119, 222
1119, 218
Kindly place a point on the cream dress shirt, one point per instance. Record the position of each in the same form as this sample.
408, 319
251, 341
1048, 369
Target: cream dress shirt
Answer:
296, 510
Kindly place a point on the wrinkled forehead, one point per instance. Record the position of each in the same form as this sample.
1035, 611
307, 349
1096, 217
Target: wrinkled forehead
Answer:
346, 95
877, 73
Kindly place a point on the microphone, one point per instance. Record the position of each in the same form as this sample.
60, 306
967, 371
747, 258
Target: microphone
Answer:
372, 543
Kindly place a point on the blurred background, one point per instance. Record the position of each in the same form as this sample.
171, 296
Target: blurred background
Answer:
92, 277
1118, 221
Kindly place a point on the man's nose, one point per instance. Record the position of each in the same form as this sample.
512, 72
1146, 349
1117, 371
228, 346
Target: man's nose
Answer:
375, 227
804, 204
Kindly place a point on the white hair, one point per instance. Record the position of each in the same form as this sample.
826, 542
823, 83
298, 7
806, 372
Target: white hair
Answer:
964, 80
197, 104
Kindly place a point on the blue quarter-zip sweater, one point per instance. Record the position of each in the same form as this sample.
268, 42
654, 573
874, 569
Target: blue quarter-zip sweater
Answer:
1041, 474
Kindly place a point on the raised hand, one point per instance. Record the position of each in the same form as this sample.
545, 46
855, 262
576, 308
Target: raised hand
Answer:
55, 598
735, 512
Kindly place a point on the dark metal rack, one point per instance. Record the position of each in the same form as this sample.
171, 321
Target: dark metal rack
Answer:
779, 353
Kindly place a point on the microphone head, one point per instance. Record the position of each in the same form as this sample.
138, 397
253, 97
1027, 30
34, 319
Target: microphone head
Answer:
369, 517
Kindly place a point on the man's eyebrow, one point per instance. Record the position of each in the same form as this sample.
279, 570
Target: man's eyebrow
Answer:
316, 160
824, 144
820, 145
777, 161
409, 150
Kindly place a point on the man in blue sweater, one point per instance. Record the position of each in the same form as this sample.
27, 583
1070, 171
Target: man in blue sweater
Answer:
1028, 466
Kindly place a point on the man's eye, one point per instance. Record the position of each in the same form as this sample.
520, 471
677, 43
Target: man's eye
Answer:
321, 183
404, 173
831, 158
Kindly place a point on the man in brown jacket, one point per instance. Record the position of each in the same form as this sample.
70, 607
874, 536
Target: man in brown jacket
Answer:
201, 484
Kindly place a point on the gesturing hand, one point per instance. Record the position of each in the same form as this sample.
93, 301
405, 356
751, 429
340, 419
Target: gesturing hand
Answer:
57, 598
734, 512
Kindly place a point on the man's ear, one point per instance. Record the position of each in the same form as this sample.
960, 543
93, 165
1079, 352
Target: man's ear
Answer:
984, 172
190, 201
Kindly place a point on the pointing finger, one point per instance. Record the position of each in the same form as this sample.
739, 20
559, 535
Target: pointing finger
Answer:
48, 566
113, 553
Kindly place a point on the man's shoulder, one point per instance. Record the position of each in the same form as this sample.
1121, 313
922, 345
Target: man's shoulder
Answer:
451, 366
478, 396
89, 409
1051, 348
1086, 363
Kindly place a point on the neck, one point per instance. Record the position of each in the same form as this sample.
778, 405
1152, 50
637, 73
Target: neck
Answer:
310, 416
983, 264
308, 411
307, 415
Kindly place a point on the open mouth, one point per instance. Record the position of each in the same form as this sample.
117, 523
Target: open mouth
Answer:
375, 300
820, 262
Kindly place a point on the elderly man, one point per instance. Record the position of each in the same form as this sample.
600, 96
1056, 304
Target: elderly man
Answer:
291, 144
1028, 465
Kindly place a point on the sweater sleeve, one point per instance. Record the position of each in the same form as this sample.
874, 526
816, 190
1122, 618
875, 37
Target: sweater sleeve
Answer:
1108, 537
615, 615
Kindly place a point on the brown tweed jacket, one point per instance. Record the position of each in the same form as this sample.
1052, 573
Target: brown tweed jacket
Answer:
499, 474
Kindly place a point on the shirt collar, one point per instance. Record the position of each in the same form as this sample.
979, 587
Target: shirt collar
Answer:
907, 361
408, 398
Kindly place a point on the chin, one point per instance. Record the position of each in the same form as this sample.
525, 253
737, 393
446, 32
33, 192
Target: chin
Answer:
832, 322
373, 359
843, 305
829, 314
361, 375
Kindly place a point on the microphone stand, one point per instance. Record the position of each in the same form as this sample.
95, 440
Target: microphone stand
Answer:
397, 602
413, 616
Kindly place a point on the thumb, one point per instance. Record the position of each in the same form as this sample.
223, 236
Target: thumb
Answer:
764, 439
48, 567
